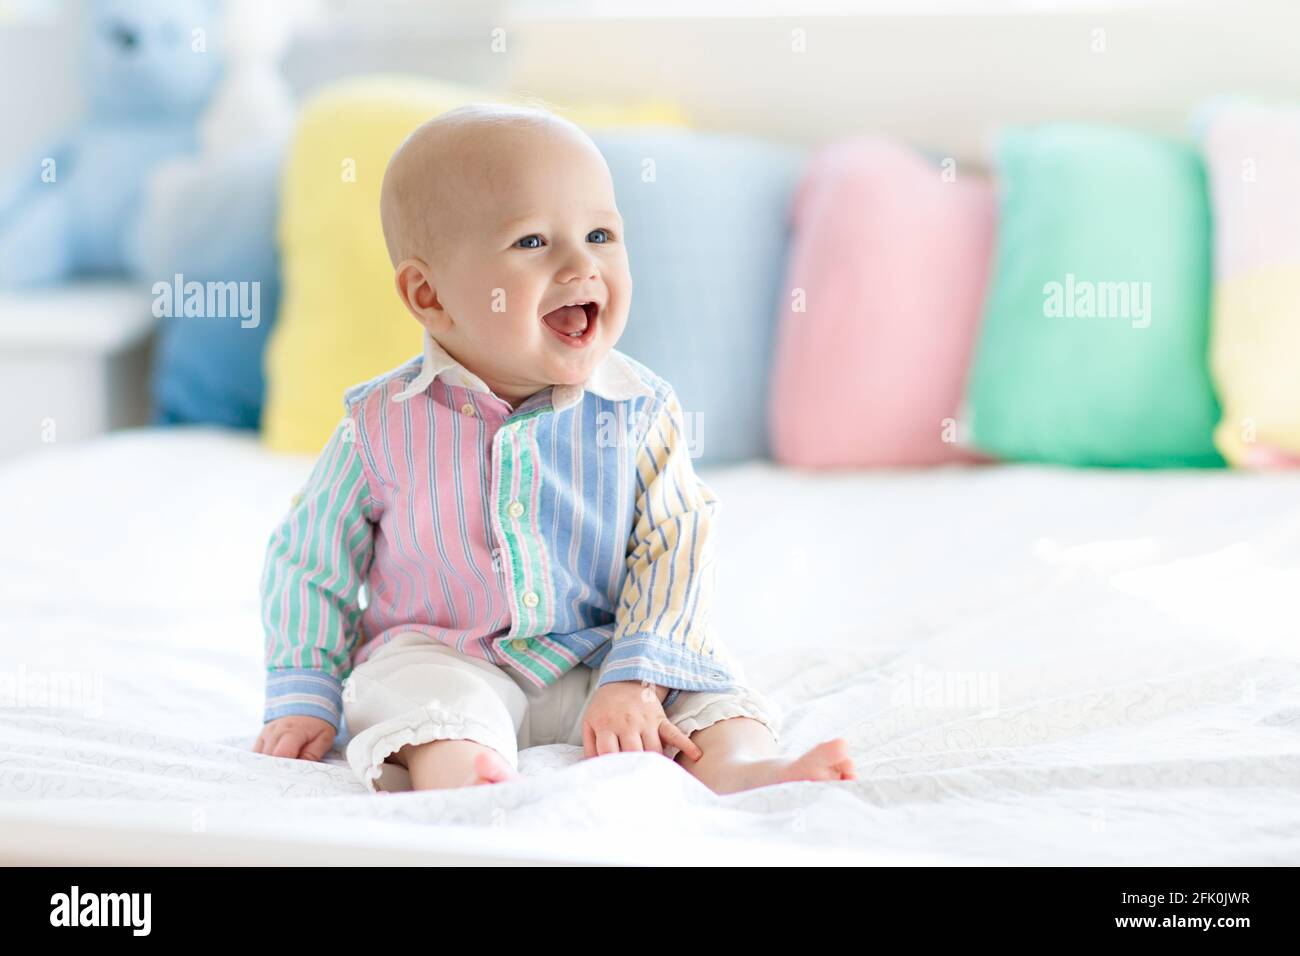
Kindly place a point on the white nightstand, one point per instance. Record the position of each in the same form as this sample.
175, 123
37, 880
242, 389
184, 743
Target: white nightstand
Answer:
74, 362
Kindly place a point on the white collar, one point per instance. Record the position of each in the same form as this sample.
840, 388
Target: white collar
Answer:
613, 378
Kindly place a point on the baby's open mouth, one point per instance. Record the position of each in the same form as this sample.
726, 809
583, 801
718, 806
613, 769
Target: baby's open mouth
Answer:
575, 322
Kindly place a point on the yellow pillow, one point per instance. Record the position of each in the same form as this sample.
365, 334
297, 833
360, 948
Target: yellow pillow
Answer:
1254, 341
340, 320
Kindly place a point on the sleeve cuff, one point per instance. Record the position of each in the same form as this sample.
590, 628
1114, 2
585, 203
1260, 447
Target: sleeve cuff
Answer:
651, 658
300, 692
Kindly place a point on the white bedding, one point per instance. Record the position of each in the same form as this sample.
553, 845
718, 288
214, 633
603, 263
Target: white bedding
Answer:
1031, 665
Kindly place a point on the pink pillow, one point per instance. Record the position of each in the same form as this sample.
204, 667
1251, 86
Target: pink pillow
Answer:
892, 257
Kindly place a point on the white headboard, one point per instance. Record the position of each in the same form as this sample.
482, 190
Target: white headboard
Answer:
940, 82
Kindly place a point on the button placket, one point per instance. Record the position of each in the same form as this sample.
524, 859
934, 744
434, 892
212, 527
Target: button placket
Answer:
514, 510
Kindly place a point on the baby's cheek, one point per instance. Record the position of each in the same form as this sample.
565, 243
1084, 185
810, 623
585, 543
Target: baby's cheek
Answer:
616, 317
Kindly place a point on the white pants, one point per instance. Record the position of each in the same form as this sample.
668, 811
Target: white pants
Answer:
414, 690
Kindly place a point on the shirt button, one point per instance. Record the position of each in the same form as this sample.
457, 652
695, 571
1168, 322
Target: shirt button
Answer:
519, 644
530, 599
467, 409
516, 509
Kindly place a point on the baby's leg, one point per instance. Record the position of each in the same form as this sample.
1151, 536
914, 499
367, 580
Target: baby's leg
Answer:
446, 764
739, 753
451, 720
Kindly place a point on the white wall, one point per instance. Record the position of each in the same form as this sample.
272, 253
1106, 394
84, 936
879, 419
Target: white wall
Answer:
941, 82
40, 90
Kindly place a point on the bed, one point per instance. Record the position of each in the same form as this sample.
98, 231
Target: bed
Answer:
1032, 666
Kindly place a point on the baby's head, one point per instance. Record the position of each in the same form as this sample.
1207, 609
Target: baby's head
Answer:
496, 218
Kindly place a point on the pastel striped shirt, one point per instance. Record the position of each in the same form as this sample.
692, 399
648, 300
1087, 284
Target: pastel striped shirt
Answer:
571, 530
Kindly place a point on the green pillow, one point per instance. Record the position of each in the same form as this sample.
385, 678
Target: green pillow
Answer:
1093, 347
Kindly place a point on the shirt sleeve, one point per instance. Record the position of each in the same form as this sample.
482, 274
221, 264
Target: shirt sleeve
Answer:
316, 561
663, 628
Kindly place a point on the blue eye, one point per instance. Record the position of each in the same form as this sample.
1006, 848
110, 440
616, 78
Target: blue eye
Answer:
525, 240
604, 232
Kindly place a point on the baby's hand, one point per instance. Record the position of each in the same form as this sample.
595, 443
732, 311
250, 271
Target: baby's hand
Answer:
307, 738
629, 715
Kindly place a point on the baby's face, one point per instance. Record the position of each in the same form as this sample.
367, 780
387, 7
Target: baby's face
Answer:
535, 229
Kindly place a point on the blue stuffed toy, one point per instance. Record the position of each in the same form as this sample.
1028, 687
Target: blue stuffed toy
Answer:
150, 68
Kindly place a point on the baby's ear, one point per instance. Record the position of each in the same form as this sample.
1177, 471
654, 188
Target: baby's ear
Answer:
413, 280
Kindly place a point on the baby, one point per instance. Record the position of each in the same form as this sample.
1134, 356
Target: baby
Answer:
504, 541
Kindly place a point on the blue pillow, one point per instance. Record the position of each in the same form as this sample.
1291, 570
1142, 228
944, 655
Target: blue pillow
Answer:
208, 370
706, 225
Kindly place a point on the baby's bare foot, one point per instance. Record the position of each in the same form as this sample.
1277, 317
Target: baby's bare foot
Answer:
829, 760
443, 764
491, 767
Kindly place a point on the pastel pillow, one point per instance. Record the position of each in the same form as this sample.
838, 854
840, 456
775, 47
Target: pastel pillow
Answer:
879, 309
1093, 347
209, 370
705, 221
1252, 154
340, 321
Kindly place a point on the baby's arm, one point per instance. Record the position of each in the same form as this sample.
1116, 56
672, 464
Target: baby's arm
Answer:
316, 562
663, 634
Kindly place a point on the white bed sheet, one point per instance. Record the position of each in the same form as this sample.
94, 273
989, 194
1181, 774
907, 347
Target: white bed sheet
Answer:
1032, 665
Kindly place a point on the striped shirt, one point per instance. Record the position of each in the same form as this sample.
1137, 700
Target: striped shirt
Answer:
570, 530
